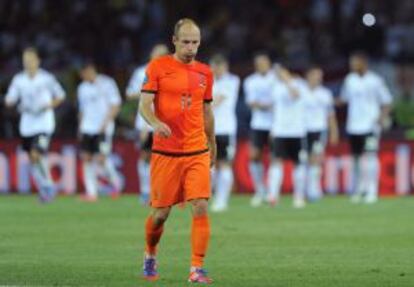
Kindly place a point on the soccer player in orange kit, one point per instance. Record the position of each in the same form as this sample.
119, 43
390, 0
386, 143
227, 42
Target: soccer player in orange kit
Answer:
176, 101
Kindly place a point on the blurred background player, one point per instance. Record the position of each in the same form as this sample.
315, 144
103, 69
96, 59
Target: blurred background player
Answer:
99, 102
176, 101
225, 93
258, 89
320, 119
369, 104
145, 131
288, 134
37, 93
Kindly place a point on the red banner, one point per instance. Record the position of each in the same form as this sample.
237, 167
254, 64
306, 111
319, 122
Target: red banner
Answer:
397, 168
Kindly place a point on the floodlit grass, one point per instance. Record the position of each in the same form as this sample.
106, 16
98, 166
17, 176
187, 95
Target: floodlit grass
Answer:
331, 243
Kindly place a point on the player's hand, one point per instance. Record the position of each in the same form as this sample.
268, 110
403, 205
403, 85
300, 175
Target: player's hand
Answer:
213, 153
162, 130
143, 135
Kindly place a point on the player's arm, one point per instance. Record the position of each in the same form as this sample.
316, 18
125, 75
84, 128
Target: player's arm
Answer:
58, 94
333, 128
209, 130
133, 90
385, 98
286, 77
12, 96
251, 100
147, 112
114, 99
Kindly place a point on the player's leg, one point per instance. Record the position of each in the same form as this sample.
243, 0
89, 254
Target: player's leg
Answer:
197, 190
315, 147
298, 154
223, 175
276, 170
89, 147
259, 140
37, 147
371, 168
154, 227
104, 150
359, 183
143, 167
166, 190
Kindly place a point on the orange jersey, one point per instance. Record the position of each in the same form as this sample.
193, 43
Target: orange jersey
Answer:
180, 92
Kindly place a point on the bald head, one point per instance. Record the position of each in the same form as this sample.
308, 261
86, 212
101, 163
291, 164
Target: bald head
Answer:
31, 60
186, 40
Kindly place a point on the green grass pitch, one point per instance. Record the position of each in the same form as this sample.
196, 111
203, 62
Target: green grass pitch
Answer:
331, 243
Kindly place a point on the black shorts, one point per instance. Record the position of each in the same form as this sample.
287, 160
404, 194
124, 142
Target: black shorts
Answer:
260, 138
315, 142
223, 144
293, 149
363, 143
95, 144
38, 142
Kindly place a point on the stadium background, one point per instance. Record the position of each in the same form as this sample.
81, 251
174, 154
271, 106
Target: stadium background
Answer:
119, 34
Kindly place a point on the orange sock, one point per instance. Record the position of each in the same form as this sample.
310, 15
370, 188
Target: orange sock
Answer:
152, 236
200, 235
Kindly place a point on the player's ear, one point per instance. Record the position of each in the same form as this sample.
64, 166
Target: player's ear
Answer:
174, 39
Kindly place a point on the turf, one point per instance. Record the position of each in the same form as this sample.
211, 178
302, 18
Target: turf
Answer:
332, 243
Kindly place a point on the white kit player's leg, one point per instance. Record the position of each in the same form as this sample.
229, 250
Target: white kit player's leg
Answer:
275, 181
89, 177
144, 180
113, 177
257, 173
299, 176
314, 182
372, 176
359, 185
223, 188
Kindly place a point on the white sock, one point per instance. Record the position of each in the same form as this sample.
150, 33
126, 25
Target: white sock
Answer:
299, 176
224, 184
112, 174
275, 180
358, 175
213, 176
314, 181
257, 173
39, 174
372, 172
144, 177
89, 178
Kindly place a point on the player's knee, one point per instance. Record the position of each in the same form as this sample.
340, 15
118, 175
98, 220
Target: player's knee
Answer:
34, 156
254, 154
315, 159
200, 207
101, 159
160, 215
86, 157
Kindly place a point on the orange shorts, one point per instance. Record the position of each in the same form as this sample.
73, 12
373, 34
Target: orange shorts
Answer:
179, 179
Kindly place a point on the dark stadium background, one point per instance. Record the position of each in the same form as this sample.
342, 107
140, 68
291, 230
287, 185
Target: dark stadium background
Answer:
119, 34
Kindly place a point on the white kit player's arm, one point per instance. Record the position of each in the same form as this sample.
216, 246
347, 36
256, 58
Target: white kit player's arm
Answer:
385, 100
286, 77
114, 100
251, 100
133, 90
12, 96
58, 94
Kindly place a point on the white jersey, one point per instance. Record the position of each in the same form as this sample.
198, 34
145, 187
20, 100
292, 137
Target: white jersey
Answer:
225, 113
95, 102
319, 105
134, 87
258, 88
34, 94
365, 95
288, 119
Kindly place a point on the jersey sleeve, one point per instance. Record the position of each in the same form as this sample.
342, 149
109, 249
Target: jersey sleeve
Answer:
344, 92
12, 95
114, 96
249, 95
384, 94
150, 82
135, 83
208, 95
80, 101
56, 88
